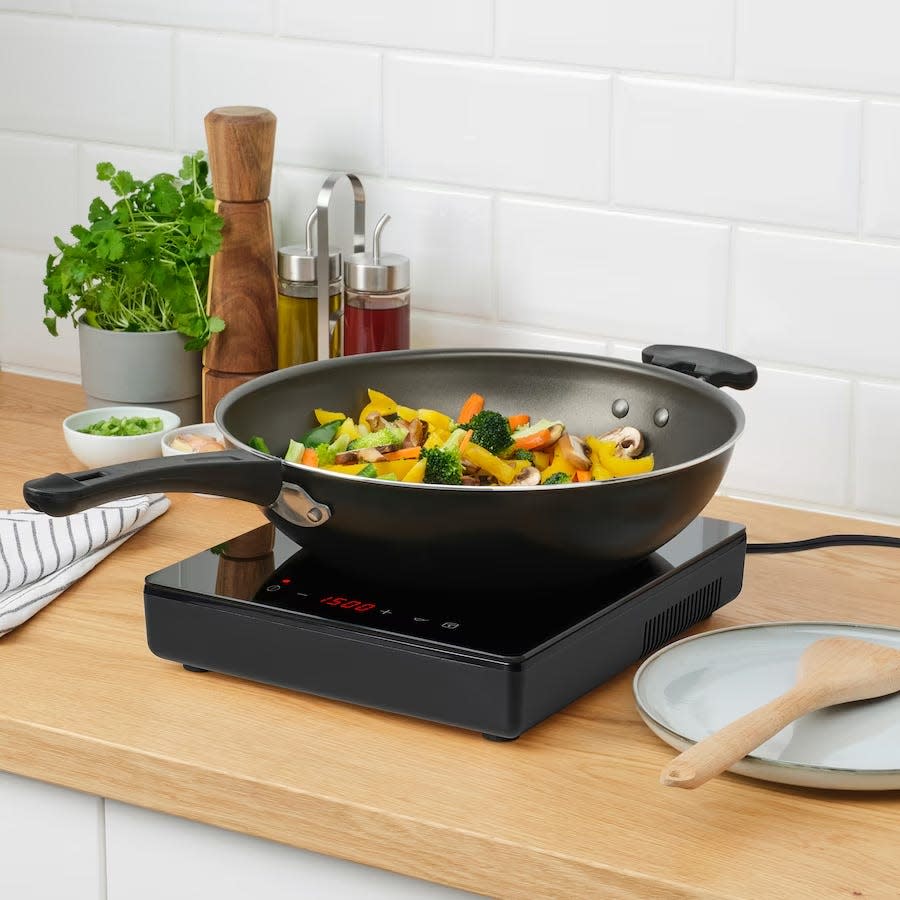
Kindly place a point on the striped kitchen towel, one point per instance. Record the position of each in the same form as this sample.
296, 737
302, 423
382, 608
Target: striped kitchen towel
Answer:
41, 556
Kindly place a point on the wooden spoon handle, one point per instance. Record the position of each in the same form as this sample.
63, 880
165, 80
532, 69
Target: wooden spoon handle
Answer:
720, 751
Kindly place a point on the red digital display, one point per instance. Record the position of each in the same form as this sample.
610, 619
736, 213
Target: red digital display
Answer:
345, 603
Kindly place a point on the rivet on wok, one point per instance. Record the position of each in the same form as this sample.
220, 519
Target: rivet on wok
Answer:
661, 417
314, 515
620, 408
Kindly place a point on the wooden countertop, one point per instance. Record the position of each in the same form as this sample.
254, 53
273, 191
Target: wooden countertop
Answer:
571, 809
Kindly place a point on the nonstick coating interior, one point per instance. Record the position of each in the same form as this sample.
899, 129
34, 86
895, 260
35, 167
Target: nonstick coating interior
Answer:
579, 390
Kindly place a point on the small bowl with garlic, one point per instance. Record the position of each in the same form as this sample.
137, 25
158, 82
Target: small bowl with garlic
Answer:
201, 438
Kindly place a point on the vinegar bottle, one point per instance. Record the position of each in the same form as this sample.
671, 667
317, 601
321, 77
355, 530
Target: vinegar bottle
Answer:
376, 299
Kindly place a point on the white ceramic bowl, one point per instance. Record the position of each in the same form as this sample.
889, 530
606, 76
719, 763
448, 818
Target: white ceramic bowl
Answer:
207, 429
96, 450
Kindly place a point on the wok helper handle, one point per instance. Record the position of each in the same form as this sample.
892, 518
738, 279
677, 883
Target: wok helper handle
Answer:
718, 752
243, 289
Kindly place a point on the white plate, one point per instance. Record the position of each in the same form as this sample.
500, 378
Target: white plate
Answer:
690, 689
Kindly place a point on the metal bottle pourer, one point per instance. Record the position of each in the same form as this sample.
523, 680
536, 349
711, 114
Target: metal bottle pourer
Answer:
328, 320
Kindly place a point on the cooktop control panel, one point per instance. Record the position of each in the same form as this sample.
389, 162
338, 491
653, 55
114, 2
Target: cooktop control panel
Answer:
284, 579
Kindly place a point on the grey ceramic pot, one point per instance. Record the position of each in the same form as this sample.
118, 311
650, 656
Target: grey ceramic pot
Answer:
136, 367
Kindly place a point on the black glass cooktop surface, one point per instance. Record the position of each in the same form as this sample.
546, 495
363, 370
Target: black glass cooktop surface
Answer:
265, 573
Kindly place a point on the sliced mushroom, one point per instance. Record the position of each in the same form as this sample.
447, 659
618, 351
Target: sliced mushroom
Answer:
556, 432
470, 480
469, 468
418, 432
628, 440
347, 458
529, 475
575, 451
370, 454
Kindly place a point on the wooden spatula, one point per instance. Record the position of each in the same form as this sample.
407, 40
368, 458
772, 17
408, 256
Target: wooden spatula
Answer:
833, 670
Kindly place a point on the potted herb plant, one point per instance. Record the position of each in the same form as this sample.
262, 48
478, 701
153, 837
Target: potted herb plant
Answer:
134, 283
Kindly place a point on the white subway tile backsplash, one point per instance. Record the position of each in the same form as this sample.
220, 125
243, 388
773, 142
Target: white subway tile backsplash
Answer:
877, 430
496, 126
463, 26
747, 154
788, 410
817, 302
881, 171
435, 331
603, 273
327, 99
691, 36
591, 176
86, 79
446, 234
24, 341
37, 182
218, 15
845, 44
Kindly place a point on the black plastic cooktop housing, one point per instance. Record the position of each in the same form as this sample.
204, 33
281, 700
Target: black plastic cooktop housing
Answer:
492, 661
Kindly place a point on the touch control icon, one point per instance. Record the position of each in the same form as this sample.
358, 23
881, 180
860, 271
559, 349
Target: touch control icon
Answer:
273, 587
450, 625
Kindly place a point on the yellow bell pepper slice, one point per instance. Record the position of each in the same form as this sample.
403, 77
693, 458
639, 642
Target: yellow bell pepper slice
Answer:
435, 419
382, 402
493, 465
346, 470
603, 453
541, 459
398, 467
416, 475
559, 464
323, 416
407, 413
348, 427
436, 438
598, 473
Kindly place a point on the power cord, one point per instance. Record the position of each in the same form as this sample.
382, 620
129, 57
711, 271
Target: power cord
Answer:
826, 540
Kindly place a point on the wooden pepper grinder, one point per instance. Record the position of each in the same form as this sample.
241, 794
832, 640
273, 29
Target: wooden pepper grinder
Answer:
243, 289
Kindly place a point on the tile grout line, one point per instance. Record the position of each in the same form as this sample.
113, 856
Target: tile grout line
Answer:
860, 183
735, 10
731, 290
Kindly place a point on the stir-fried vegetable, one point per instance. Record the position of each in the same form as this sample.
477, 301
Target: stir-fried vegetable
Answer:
391, 442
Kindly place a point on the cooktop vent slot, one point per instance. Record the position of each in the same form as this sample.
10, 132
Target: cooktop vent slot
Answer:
689, 611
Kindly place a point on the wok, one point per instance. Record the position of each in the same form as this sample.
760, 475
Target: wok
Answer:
471, 536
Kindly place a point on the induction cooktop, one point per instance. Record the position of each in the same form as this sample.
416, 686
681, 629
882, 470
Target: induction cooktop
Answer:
494, 661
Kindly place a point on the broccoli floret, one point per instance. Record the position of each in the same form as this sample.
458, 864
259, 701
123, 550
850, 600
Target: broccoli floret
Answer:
559, 478
527, 455
384, 438
442, 466
491, 430
257, 443
326, 453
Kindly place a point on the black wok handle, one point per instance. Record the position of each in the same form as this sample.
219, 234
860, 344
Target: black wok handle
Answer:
232, 473
719, 369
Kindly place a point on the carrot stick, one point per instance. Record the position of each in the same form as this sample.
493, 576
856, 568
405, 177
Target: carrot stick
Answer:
582, 475
532, 441
310, 458
475, 404
466, 438
404, 453
518, 421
